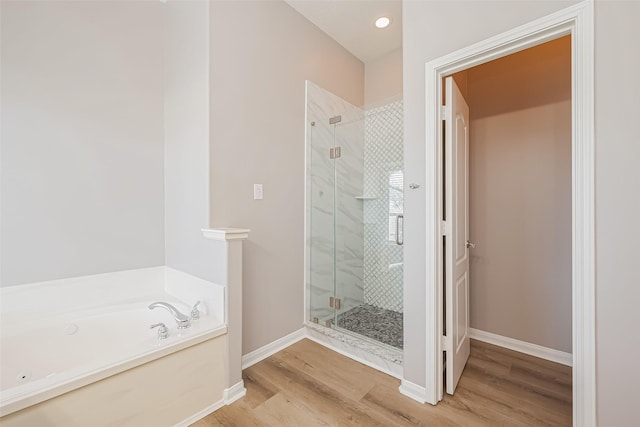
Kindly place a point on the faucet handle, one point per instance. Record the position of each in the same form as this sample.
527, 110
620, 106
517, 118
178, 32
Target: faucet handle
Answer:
195, 313
163, 332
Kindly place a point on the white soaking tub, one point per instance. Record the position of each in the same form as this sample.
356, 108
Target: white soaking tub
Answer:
62, 335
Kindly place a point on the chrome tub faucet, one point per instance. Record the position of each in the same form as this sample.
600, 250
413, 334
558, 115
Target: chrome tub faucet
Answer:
182, 320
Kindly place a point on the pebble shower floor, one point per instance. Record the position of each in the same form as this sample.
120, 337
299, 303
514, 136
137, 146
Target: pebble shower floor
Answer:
373, 322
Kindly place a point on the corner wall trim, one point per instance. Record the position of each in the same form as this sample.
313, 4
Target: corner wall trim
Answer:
256, 356
233, 393
535, 350
229, 395
413, 391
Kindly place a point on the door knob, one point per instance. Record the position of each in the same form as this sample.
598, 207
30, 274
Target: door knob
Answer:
471, 245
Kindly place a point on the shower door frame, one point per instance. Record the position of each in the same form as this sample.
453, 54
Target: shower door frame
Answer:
307, 309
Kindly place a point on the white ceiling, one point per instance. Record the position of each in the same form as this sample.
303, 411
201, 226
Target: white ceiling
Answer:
351, 23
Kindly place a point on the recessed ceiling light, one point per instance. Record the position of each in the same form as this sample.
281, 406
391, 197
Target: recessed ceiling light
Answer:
383, 22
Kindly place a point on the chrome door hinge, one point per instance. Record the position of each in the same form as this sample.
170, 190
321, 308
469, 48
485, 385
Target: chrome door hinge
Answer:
334, 120
444, 228
335, 153
334, 303
444, 343
445, 112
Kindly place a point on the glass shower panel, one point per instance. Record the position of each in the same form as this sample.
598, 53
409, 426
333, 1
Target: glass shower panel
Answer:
321, 188
349, 219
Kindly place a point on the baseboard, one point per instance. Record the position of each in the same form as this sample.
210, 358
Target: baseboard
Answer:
523, 347
201, 414
414, 391
229, 395
234, 392
256, 356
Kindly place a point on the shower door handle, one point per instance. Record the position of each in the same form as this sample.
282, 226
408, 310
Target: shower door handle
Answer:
400, 230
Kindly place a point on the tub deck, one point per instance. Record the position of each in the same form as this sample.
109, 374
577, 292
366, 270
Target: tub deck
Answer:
98, 327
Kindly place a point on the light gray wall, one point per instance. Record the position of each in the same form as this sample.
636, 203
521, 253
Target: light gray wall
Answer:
262, 52
383, 78
186, 140
520, 195
82, 150
617, 211
425, 25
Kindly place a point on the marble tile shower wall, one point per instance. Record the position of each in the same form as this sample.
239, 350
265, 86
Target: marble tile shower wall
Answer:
383, 156
322, 173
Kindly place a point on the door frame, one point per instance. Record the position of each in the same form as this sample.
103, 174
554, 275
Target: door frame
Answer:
578, 21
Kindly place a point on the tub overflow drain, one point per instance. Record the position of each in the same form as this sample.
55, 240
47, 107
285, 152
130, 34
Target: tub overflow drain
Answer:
23, 377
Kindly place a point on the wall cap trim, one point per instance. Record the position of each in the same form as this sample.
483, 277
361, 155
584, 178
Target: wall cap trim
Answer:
226, 233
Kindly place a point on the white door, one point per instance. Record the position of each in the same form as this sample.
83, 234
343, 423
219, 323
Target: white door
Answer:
457, 344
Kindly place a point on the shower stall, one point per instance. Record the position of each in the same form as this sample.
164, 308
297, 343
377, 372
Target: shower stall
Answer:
355, 218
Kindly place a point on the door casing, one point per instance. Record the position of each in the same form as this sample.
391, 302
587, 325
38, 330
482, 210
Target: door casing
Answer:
578, 21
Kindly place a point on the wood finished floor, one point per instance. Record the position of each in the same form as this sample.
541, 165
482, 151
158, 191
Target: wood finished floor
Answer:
309, 385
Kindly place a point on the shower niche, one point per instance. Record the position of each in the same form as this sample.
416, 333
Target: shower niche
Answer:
354, 217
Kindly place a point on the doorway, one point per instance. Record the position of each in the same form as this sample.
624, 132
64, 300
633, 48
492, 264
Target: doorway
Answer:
576, 21
508, 199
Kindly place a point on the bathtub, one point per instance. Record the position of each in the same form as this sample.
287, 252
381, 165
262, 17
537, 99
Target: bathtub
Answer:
90, 337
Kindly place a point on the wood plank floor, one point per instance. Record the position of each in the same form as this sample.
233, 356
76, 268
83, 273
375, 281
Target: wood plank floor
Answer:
309, 385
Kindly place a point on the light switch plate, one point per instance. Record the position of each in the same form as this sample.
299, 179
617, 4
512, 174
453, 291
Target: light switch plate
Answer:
257, 192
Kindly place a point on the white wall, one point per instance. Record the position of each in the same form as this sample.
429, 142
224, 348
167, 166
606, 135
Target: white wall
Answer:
520, 195
617, 154
82, 149
262, 53
186, 140
383, 78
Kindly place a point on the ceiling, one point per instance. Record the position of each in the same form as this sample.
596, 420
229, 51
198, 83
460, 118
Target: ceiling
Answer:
350, 23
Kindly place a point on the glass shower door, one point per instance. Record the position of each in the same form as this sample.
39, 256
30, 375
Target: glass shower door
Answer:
321, 194
349, 218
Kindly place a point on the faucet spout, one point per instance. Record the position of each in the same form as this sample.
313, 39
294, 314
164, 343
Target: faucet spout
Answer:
182, 320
